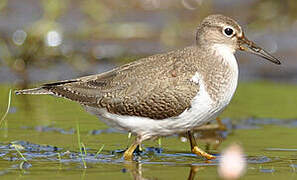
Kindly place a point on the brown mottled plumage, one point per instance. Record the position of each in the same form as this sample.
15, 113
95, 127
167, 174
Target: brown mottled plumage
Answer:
157, 87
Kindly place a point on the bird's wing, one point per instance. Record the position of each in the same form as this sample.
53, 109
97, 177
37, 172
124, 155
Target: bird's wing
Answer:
156, 87
158, 100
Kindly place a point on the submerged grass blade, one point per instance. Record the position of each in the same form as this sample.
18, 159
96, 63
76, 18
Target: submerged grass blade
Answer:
24, 164
84, 147
99, 151
80, 146
292, 166
8, 107
17, 149
59, 158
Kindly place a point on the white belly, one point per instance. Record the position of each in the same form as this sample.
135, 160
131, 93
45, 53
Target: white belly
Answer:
201, 111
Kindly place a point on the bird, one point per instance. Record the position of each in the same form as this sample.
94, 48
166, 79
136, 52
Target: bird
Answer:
169, 93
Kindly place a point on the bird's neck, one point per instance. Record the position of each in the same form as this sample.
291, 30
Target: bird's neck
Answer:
222, 72
223, 49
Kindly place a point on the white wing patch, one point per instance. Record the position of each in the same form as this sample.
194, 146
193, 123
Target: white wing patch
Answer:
195, 78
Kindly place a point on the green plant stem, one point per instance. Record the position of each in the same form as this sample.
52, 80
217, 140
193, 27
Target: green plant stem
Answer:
8, 107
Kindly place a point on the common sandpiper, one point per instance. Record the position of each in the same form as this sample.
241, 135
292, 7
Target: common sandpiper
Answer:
166, 93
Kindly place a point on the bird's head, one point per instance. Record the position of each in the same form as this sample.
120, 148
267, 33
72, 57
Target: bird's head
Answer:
222, 30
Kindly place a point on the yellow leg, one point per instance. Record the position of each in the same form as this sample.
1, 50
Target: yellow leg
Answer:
128, 155
221, 125
196, 150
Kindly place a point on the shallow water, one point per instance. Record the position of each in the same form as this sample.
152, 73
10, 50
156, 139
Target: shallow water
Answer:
43, 128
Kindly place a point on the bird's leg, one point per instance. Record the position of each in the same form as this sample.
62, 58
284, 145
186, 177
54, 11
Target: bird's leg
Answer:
196, 150
128, 155
129, 137
221, 125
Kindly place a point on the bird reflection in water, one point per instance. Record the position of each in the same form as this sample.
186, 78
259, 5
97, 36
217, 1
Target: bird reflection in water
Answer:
136, 171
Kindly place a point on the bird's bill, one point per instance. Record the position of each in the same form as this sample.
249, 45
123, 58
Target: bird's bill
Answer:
249, 46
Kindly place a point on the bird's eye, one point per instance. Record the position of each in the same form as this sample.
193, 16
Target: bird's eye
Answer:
228, 31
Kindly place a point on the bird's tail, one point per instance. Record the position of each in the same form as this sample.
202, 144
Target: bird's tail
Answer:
38, 90
69, 89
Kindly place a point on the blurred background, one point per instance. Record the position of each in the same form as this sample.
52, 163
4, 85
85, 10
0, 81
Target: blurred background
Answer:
47, 40
43, 41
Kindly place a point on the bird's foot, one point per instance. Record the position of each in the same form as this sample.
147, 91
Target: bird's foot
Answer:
128, 154
196, 150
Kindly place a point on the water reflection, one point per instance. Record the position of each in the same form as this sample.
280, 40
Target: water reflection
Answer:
136, 171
